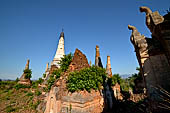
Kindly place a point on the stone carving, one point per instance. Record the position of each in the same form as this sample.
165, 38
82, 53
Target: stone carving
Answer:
98, 61
22, 79
79, 61
153, 54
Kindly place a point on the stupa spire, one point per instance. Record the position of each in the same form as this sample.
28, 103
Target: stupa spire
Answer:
108, 67
98, 61
60, 50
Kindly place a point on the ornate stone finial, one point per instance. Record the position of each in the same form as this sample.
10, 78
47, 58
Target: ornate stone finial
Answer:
148, 13
47, 67
62, 33
152, 18
145, 9
133, 28
27, 65
135, 33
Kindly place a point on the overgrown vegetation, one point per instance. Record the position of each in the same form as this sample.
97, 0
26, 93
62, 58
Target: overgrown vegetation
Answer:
27, 73
18, 86
64, 64
18, 98
127, 83
114, 79
86, 79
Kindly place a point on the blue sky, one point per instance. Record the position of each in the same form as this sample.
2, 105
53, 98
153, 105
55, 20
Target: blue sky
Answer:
31, 28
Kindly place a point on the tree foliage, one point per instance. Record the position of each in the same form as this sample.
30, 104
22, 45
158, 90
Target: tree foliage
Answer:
114, 79
27, 73
65, 62
86, 79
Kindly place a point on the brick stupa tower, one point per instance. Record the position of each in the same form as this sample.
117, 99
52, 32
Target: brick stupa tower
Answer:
22, 79
108, 67
98, 61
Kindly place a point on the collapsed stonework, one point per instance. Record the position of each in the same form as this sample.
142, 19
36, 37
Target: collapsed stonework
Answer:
59, 100
23, 79
79, 61
153, 54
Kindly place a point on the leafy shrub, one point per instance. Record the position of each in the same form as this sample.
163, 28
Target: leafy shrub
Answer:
86, 79
35, 84
40, 81
44, 75
125, 85
65, 62
50, 82
7, 84
57, 73
10, 109
18, 86
28, 73
17, 79
29, 94
38, 93
114, 79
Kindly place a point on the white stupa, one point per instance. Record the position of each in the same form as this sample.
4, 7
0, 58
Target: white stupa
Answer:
60, 51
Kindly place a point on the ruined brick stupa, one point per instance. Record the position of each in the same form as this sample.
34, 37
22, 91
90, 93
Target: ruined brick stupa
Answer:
23, 79
98, 61
59, 100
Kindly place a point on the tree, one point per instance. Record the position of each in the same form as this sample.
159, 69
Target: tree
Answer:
86, 79
65, 62
27, 73
114, 79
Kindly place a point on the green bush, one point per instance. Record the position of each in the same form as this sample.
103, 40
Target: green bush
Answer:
65, 62
38, 93
57, 73
28, 73
35, 84
10, 109
50, 82
86, 79
44, 75
114, 79
29, 94
17, 79
40, 81
18, 86
125, 85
